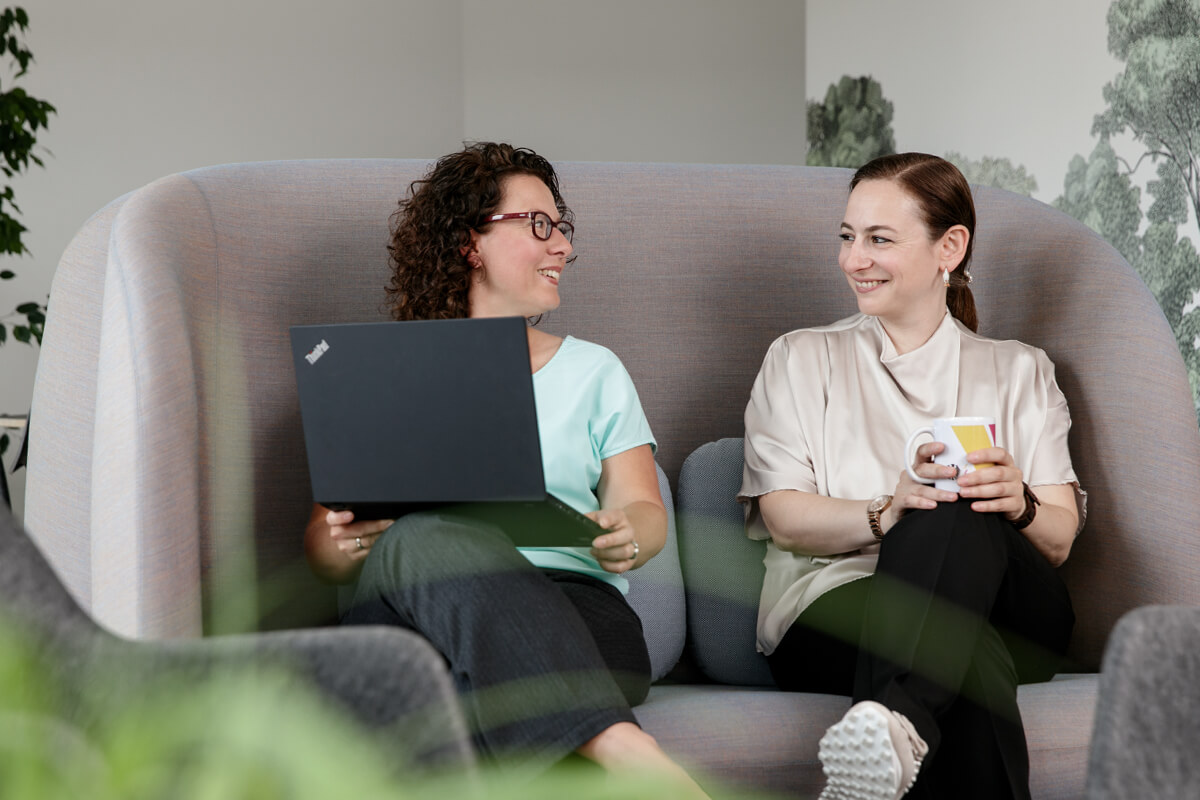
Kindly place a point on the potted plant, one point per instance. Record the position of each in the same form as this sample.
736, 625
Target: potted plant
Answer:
21, 117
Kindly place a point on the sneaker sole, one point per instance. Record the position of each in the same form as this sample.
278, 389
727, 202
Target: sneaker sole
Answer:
858, 758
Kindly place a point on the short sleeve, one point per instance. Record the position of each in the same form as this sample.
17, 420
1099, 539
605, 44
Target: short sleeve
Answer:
1051, 462
618, 423
778, 452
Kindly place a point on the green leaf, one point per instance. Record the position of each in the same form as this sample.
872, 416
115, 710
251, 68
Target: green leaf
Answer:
25, 308
21, 333
3, 334
7, 274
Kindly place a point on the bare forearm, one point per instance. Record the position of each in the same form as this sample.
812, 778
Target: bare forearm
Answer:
631, 510
1052, 531
649, 522
1046, 533
812, 524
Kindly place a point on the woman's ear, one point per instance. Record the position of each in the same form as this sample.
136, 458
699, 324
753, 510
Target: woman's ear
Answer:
953, 247
471, 251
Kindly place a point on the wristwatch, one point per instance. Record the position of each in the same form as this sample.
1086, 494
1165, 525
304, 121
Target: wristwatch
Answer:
1031, 504
875, 509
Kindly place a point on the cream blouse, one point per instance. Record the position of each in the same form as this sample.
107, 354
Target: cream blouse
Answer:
830, 412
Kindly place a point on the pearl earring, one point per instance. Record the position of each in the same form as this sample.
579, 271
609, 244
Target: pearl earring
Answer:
945, 277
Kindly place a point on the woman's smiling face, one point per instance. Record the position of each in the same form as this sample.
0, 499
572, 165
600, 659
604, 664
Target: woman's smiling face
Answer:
888, 258
519, 273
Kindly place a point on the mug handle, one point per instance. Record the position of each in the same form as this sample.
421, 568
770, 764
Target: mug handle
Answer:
908, 453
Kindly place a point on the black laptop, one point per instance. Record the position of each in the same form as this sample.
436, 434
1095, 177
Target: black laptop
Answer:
405, 416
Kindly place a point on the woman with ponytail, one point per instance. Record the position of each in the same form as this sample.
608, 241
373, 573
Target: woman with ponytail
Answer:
927, 606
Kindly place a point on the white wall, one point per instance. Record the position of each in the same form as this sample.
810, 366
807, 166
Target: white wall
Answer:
146, 88
639, 80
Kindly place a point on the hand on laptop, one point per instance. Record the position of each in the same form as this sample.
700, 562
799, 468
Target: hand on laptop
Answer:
336, 545
355, 538
616, 550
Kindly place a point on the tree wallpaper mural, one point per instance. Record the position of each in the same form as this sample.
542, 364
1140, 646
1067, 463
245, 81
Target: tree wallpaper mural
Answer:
1138, 187
852, 126
1156, 101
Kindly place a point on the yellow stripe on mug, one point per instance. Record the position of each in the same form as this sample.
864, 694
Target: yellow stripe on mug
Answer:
972, 438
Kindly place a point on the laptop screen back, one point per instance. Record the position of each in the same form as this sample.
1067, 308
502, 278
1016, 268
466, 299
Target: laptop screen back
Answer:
418, 413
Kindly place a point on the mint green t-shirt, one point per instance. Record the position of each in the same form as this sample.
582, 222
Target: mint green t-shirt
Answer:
588, 410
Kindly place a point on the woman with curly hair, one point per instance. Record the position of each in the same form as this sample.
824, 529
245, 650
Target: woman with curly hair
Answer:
547, 654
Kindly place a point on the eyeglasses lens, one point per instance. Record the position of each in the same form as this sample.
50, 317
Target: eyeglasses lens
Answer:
543, 227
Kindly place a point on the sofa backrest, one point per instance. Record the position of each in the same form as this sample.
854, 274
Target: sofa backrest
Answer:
166, 468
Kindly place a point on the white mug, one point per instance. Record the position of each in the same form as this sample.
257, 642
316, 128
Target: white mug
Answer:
960, 435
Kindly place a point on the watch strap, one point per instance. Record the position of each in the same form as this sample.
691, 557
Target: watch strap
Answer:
1031, 504
873, 514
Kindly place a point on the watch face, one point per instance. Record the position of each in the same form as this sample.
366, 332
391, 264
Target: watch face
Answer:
878, 503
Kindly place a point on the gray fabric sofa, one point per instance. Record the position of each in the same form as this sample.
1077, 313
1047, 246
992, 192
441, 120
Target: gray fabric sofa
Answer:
167, 469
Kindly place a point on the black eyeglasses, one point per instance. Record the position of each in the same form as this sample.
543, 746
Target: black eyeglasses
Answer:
540, 222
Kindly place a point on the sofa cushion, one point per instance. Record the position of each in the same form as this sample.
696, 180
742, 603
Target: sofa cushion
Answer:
723, 570
656, 594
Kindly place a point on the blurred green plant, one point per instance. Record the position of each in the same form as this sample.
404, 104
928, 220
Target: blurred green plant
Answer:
258, 734
21, 117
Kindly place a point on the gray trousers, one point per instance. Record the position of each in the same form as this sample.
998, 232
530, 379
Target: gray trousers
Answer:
544, 660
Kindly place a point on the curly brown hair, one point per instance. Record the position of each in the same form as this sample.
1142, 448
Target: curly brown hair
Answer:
431, 230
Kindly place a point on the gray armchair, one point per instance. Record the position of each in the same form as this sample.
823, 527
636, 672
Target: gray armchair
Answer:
391, 681
1148, 712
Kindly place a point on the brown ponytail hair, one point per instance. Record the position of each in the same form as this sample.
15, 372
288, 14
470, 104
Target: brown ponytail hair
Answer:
944, 197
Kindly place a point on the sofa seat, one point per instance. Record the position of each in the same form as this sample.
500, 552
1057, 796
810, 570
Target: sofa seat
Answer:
756, 738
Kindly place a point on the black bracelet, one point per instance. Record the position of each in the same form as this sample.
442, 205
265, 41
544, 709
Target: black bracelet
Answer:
1031, 504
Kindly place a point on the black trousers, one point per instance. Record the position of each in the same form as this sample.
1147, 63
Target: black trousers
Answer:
543, 659
960, 610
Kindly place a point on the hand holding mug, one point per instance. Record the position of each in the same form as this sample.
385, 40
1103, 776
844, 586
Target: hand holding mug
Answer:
985, 473
916, 490
959, 437
996, 484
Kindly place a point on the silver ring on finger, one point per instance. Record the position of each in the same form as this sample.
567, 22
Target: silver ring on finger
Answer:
358, 543
636, 550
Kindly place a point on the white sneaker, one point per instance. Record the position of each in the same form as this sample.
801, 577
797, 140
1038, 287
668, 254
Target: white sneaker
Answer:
873, 753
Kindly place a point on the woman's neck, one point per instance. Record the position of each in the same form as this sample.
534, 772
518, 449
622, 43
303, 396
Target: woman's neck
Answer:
909, 334
542, 347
